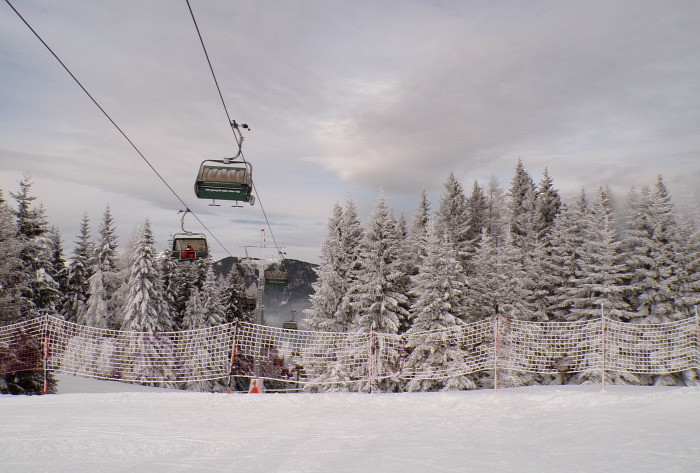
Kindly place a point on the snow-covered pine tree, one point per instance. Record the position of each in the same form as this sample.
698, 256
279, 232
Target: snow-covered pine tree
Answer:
563, 261
521, 208
500, 285
440, 305
168, 268
331, 283
483, 282
39, 290
452, 217
104, 277
601, 282
687, 255
211, 297
477, 213
204, 310
404, 267
39, 252
181, 278
497, 210
144, 309
417, 235
194, 312
59, 267
650, 248
515, 282
351, 237
12, 276
95, 313
520, 204
378, 300
547, 206
78, 282
107, 257
36, 288
106, 250
231, 298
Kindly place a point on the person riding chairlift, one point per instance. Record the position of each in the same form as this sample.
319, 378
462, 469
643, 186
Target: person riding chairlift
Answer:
189, 252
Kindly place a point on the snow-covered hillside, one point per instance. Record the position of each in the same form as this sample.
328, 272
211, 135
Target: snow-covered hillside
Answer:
536, 429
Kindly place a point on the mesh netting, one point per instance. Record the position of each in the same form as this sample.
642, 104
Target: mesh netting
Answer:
651, 348
549, 347
193, 355
21, 346
300, 356
457, 351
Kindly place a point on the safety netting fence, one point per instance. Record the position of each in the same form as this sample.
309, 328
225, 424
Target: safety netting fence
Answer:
298, 356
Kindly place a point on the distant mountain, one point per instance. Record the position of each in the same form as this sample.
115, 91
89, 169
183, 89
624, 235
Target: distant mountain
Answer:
281, 302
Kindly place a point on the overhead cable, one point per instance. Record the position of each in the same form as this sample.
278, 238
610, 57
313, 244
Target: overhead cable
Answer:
114, 123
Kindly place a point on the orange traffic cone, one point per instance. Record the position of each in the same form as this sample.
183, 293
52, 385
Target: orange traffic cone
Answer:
256, 386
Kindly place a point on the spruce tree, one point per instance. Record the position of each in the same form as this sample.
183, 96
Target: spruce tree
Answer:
439, 308
143, 310
211, 297
650, 248
477, 213
330, 285
686, 249
521, 207
107, 257
29, 280
417, 235
378, 299
168, 268
548, 204
95, 313
497, 214
79, 272
59, 268
452, 218
12, 275
564, 260
601, 284
39, 290
351, 265
46, 295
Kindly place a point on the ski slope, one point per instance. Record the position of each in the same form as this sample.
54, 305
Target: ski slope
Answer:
92, 427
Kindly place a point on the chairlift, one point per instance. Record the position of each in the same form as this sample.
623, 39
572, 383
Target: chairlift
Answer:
248, 303
276, 278
290, 324
188, 246
225, 179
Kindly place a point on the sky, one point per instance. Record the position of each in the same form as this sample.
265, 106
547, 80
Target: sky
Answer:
343, 100
541, 429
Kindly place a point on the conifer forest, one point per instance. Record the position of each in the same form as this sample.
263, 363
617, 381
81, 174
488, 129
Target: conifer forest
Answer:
524, 252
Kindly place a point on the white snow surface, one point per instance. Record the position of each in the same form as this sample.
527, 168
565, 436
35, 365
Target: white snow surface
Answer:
92, 427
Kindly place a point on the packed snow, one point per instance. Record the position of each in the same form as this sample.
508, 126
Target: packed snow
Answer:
107, 427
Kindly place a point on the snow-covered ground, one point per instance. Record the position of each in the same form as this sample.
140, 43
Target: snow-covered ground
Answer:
92, 427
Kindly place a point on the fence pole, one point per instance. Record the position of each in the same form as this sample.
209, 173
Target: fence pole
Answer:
495, 353
602, 331
46, 353
697, 337
370, 368
233, 357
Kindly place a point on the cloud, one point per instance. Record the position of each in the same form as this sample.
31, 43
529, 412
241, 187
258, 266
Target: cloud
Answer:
344, 98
